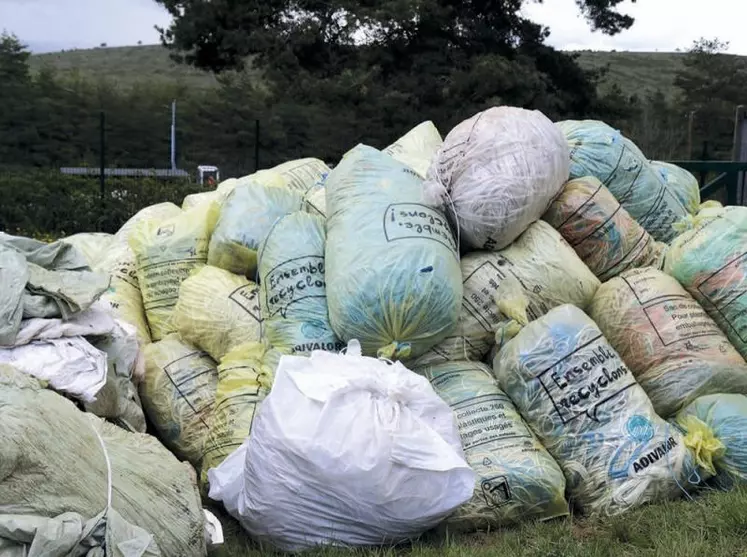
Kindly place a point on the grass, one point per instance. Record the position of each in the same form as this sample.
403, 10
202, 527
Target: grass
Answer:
712, 525
636, 72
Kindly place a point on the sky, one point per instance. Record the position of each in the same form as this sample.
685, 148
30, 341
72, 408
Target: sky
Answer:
664, 25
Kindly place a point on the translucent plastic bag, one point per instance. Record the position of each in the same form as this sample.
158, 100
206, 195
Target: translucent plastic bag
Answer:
499, 171
602, 232
244, 379
536, 273
91, 244
603, 152
246, 217
392, 265
315, 202
178, 395
167, 251
155, 213
417, 147
217, 311
710, 261
726, 416
193, 200
675, 351
517, 479
583, 403
293, 288
298, 175
345, 450
682, 184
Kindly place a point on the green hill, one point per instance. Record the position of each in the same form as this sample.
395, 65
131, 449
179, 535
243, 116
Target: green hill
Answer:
635, 72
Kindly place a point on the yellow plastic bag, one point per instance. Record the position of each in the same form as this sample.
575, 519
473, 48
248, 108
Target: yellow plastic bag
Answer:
601, 231
167, 251
156, 213
178, 394
417, 147
195, 199
244, 379
536, 273
298, 175
675, 350
517, 479
217, 311
92, 245
123, 296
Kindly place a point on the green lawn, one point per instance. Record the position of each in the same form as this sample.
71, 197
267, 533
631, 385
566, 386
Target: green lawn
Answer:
712, 525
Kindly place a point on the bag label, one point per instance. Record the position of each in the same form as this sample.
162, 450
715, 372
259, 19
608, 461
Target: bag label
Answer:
247, 298
483, 419
404, 221
159, 282
674, 318
585, 379
292, 281
725, 291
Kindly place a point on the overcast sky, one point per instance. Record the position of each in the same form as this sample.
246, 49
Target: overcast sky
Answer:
665, 25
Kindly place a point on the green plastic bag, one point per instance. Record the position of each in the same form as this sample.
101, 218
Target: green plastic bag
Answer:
710, 261
246, 217
682, 183
293, 288
726, 416
392, 265
517, 479
585, 406
603, 152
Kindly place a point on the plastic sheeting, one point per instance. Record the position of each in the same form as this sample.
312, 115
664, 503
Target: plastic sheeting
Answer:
178, 395
92, 245
522, 282
392, 265
682, 184
674, 349
602, 232
417, 147
41, 431
710, 261
246, 217
345, 450
726, 416
517, 479
244, 379
498, 171
217, 311
293, 288
167, 251
585, 406
603, 152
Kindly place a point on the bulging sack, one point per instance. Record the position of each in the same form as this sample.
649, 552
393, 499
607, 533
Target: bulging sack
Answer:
217, 311
392, 265
682, 184
167, 251
536, 273
155, 213
246, 217
178, 395
314, 202
298, 175
710, 261
517, 479
675, 351
293, 288
603, 152
499, 171
349, 451
195, 199
244, 378
602, 232
585, 406
417, 147
725, 416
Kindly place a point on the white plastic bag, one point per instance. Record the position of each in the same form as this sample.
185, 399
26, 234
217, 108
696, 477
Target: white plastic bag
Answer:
345, 450
501, 170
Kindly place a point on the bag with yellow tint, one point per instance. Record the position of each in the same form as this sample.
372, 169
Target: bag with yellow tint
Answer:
156, 213
92, 245
178, 395
725, 415
517, 479
217, 311
417, 147
244, 379
167, 251
298, 175
246, 217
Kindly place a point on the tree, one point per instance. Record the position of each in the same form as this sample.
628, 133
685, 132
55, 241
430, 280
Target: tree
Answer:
712, 84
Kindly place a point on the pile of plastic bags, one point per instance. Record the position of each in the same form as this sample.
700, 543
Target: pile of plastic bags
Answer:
524, 319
